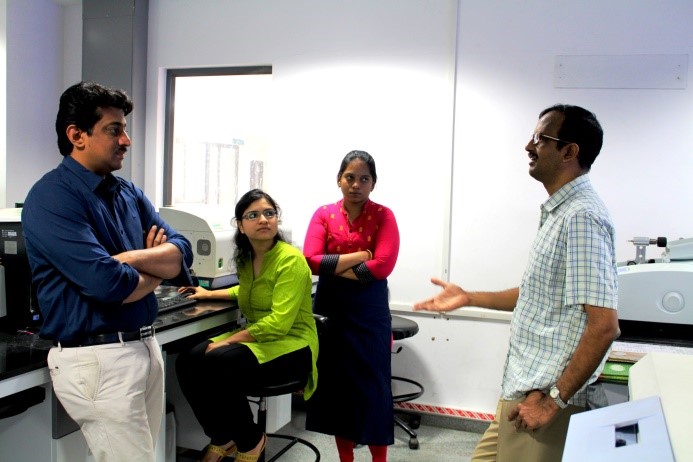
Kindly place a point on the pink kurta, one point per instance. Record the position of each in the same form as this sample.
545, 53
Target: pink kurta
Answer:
375, 229
354, 395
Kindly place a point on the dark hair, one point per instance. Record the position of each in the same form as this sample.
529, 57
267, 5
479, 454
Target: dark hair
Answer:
244, 251
364, 156
81, 105
580, 126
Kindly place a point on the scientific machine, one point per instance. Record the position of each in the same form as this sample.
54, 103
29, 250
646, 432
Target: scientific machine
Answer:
210, 231
655, 296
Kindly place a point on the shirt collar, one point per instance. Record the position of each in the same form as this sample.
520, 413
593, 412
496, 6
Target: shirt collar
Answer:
89, 178
565, 192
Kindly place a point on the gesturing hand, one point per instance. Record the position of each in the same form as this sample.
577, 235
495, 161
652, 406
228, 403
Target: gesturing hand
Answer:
450, 298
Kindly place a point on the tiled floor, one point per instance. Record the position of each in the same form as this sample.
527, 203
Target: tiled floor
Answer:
441, 439
436, 443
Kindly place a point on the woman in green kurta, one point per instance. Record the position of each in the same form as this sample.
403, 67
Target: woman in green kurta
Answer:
279, 342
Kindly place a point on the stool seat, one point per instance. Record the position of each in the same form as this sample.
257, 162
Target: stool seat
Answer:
278, 390
403, 328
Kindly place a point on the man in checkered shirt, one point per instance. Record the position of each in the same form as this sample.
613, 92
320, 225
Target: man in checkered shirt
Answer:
564, 311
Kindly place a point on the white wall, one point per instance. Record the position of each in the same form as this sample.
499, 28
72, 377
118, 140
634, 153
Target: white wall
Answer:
40, 55
506, 55
3, 98
34, 80
459, 361
365, 75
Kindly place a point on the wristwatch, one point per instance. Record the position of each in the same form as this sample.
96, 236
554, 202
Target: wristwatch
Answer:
555, 394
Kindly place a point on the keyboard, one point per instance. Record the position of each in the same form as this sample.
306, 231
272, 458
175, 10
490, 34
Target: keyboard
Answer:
174, 302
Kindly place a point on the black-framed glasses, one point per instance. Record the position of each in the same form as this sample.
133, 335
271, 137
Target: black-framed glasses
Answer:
254, 215
536, 137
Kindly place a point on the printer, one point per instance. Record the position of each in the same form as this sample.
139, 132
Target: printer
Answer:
655, 296
209, 230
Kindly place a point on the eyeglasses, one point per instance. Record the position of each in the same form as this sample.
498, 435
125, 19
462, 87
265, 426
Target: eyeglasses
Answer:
254, 215
536, 137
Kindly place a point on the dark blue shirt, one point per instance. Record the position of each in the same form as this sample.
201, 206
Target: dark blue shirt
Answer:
73, 222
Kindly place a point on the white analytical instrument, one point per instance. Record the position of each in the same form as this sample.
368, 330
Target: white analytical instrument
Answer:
658, 290
209, 230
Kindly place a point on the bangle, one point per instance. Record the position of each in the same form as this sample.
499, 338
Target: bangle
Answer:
370, 255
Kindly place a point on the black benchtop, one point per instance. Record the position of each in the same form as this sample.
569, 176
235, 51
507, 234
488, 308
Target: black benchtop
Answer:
22, 353
26, 352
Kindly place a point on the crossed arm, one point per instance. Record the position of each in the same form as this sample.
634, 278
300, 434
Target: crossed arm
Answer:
379, 259
159, 260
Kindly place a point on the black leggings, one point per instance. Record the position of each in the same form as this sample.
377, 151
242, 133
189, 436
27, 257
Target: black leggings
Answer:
216, 386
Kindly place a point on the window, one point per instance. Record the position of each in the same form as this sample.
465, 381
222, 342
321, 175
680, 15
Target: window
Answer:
217, 133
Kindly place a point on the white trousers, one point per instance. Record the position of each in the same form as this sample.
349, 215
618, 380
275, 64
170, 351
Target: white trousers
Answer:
115, 392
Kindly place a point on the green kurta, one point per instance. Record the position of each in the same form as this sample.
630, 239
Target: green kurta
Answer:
278, 307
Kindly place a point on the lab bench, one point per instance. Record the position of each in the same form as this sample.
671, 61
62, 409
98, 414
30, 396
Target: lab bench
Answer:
34, 425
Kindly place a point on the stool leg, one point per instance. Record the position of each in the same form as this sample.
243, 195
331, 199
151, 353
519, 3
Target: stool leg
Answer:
262, 413
413, 437
262, 421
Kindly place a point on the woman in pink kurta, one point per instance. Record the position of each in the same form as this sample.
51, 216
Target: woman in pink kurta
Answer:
352, 245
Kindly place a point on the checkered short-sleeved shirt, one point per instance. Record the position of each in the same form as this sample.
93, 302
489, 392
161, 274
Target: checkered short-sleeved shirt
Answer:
572, 263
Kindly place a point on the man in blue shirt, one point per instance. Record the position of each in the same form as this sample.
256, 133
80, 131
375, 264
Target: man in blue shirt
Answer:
564, 311
97, 250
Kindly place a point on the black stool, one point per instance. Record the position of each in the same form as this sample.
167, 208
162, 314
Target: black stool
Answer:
277, 390
404, 328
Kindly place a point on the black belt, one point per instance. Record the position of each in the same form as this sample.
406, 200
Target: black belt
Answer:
102, 339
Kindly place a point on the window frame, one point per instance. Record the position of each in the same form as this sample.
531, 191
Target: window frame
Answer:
171, 76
